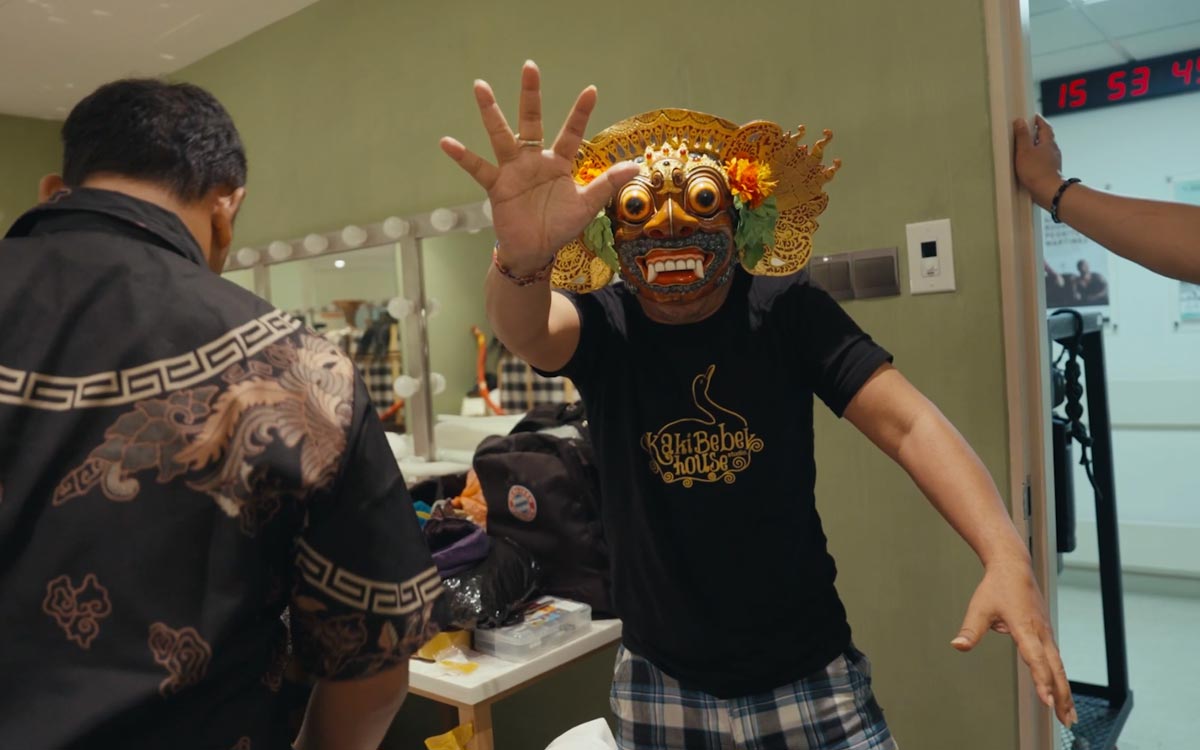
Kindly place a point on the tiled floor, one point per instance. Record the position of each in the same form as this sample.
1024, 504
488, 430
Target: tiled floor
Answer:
1164, 660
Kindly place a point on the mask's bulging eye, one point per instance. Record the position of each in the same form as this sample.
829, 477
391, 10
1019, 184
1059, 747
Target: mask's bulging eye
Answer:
634, 204
703, 196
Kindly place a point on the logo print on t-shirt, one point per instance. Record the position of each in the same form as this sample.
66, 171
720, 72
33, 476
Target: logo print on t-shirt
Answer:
714, 447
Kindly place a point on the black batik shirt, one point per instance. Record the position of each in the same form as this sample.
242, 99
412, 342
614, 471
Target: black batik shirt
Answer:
704, 438
179, 464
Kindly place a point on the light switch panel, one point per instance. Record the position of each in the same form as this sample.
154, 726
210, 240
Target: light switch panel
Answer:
930, 257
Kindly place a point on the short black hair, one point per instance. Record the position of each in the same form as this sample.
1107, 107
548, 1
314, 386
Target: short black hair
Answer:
174, 134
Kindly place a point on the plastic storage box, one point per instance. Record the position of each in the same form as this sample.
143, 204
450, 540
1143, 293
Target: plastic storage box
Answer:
547, 623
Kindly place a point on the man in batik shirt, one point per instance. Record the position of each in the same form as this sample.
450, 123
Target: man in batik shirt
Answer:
180, 463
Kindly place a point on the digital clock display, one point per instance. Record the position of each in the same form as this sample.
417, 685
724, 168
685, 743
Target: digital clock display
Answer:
1136, 81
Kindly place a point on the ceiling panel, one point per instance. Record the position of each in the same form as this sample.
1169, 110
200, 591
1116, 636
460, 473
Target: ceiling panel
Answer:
1061, 29
54, 52
1122, 18
1155, 44
1037, 7
1076, 60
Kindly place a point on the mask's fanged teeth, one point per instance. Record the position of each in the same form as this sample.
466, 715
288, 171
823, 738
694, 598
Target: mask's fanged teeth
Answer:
699, 269
651, 275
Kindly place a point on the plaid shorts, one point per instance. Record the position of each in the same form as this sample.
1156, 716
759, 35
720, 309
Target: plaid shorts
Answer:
831, 710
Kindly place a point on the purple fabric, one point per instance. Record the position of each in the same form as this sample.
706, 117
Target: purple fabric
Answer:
463, 554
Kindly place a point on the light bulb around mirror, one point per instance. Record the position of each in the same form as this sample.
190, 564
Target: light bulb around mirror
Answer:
437, 383
279, 250
399, 308
316, 243
444, 219
395, 228
406, 385
354, 235
248, 256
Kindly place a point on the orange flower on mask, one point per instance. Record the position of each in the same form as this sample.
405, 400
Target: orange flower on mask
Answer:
749, 180
590, 170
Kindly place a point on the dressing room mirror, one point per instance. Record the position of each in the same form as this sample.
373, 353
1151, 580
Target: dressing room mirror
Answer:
324, 290
455, 266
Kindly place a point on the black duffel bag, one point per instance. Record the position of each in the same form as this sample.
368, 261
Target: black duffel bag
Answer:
543, 492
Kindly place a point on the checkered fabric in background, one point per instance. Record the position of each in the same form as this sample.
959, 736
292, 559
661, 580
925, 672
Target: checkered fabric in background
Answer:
521, 388
379, 377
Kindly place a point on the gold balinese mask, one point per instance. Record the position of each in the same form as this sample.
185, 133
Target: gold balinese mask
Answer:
710, 194
673, 226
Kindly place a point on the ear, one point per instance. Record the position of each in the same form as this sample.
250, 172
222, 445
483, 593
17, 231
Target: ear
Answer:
50, 184
224, 211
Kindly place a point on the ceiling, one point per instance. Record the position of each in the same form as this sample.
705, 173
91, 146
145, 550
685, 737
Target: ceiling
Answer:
60, 50
1074, 36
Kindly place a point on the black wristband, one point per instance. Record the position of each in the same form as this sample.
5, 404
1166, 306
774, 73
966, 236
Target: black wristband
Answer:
1058, 197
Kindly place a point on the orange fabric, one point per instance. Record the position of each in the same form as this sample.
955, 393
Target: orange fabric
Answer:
471, 501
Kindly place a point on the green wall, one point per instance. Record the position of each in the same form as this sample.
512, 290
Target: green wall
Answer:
29, 150
342, 106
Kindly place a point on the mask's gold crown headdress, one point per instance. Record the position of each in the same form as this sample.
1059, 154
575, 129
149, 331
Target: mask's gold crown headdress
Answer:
778, 181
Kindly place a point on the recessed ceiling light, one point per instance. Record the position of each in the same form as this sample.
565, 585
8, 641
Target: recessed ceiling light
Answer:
339, 263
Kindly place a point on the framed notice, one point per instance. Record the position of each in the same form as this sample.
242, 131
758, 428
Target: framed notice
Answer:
1076, 270
1187, 190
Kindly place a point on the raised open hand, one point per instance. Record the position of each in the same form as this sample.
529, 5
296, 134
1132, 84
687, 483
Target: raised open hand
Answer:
537, 207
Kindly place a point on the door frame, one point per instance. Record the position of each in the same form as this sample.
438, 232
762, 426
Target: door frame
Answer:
1026, 340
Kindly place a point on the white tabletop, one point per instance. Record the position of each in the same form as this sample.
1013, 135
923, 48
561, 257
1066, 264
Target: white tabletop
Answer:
495, 676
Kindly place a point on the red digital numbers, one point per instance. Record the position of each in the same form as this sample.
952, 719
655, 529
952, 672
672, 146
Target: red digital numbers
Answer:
1073, 94
1116, 86
1118, 89
1141, 81
1184, 69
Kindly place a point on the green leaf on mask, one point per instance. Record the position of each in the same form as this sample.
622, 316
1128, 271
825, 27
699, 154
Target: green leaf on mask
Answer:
598, 237
756, 230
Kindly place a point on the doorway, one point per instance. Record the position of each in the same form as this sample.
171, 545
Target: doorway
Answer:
1151, 330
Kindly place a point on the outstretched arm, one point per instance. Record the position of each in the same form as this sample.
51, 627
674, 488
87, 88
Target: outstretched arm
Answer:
915, 434
1164, 237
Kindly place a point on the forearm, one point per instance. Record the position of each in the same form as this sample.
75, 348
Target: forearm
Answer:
519, 315
1164, 237
354, 714
952, 476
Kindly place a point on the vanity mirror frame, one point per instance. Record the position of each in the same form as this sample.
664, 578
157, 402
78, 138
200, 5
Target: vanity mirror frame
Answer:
407, 234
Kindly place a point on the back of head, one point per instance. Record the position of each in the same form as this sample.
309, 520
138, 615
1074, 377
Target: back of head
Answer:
175, 135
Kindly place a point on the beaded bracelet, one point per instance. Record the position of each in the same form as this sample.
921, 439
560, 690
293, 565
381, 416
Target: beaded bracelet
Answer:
541, 274
1058, 197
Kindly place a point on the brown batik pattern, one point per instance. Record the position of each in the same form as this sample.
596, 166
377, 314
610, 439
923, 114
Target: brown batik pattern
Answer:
273, 679
298, 393
183, 653
78, 610
354, 645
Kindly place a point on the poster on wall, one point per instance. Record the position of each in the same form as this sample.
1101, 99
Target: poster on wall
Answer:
1076, 270
1188, 191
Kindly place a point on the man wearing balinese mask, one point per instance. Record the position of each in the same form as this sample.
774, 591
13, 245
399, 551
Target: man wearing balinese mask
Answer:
698, 373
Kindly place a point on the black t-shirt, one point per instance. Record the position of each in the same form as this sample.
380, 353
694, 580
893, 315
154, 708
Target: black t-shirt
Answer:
704, 437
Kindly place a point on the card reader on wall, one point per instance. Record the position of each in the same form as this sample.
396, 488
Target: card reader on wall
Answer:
930, 257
